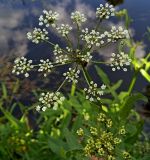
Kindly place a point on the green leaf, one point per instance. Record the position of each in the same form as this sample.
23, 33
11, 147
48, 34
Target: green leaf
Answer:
135, 130
129, 104
57, 146
72, 140
4, 90
117, 85
103, 76
10, 117
145, 74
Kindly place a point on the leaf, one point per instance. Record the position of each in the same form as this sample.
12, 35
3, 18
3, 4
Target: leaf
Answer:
145, 74
10, 117
4, 90
117, 85
106, 81
71, 140
16, 86
135, 131
129, 104
103, 76
57, 146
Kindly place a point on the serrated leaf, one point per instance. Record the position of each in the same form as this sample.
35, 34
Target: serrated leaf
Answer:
71, 140
57, 146
129, 104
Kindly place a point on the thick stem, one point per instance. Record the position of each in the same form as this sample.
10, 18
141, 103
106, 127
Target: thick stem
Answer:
73, 88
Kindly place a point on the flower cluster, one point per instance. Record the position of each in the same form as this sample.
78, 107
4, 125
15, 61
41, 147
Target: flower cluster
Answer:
101, 141
22, 66
50, 100
60, 57
48, 18
93, 93
92, 38
64, 29
72, 75
78, 17
45, 66
126, 155
77, 57
38, 35
105, 11
141, 147
104, 119
119, 61
84, 57
116, 34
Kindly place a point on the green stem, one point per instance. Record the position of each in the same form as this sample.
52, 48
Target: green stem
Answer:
54, 45
73, 88
78, 36
61, 85
50, 43
57, 65
96, 28
132, 84
99, 62
86, 75
69, 42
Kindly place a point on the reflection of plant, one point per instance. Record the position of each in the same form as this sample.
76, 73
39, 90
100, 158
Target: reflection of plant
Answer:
79, 56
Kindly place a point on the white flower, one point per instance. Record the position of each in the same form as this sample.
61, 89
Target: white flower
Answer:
22, 66
105, 11
64, 29
78, 17
120, 61
50, 100
93, 93
84, 57
60, 56
45, 66
48, 18
37, 35
92, 38
72, 75
116, 34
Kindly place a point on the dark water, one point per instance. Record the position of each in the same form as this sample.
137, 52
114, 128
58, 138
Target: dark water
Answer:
17, 17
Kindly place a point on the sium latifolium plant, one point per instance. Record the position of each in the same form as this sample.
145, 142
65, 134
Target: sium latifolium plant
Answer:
76, 57
101, 141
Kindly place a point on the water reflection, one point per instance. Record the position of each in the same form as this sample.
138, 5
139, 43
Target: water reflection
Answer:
116, 2
17, 17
